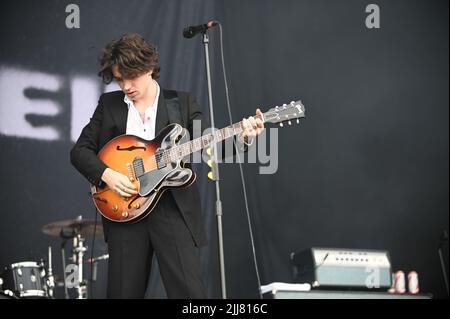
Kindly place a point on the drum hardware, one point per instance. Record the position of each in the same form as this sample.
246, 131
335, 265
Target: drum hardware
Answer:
29, 279
63, 262
94, 262
78, 252
67, 229
8, 294
76, 230
50, 279
99, 258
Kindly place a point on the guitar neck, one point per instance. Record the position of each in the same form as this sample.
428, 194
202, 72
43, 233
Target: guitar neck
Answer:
180, 151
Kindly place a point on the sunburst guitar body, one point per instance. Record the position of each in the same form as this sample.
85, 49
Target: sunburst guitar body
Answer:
142, 161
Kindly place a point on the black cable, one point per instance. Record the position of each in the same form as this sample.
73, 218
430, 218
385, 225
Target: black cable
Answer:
91, 290
240, 167
442, 240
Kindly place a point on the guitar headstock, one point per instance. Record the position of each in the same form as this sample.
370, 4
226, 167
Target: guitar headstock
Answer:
285, 113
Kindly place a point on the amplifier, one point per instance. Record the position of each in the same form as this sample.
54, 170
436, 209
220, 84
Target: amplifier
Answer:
335, 267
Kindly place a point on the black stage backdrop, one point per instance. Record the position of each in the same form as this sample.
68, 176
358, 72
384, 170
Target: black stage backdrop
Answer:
366, 169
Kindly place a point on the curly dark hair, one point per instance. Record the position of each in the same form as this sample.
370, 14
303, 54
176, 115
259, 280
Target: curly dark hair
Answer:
133, 56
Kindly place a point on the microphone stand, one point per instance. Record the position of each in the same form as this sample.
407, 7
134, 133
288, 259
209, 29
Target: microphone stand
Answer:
215, 170
444, 238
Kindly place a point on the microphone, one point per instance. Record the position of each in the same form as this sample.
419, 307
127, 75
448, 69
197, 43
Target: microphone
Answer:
95, 260
191, 31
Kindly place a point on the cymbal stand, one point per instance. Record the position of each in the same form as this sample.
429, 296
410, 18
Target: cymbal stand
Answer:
63, 260
78, 252
49, 279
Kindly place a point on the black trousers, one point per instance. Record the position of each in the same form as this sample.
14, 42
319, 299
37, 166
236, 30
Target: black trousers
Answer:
131, 248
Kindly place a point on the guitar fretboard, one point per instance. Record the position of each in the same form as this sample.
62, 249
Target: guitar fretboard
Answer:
178, 152
275, 115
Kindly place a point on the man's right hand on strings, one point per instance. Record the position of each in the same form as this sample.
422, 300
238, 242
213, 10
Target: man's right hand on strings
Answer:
119, 183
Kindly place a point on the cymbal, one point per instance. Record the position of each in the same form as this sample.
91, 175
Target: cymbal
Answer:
71, 227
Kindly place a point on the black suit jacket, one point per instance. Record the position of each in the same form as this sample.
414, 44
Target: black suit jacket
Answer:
108, 121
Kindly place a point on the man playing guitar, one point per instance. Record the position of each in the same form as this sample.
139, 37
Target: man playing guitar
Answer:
174, 229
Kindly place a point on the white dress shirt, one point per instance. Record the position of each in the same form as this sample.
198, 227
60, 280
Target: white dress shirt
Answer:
135, 126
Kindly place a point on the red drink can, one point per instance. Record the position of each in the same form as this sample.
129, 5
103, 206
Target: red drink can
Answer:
400, 284
413, 282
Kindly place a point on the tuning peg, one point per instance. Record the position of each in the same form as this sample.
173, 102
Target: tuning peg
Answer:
298, 121
289, 122
281, 124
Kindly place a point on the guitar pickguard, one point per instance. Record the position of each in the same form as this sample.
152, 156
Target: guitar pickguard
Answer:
178, 177
151, 180
172, 174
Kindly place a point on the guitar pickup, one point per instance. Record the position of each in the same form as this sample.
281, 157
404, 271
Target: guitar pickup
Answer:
138, 166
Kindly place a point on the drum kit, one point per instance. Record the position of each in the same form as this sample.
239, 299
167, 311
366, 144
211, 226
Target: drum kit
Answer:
30, 279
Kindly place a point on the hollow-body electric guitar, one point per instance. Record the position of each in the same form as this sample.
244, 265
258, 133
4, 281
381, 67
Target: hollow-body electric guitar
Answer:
156, 165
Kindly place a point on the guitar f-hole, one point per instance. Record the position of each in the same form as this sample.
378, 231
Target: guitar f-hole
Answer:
130, 148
